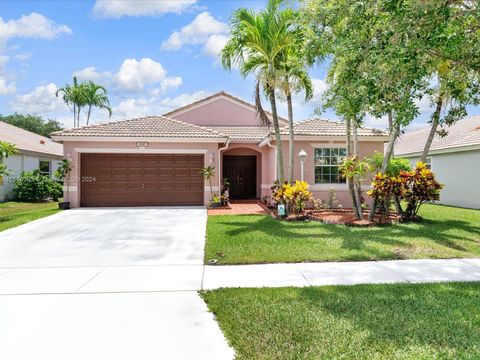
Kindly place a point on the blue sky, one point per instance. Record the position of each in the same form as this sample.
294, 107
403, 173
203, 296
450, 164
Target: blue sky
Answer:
151, 55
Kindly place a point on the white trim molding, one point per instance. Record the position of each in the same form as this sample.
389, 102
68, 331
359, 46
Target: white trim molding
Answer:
327, 187
138, 151
442, 151
120, 139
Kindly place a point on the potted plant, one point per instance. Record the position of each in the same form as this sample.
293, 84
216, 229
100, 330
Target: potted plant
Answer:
63, 174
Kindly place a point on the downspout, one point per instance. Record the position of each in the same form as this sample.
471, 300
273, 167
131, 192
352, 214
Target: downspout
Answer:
267, 141
219, 158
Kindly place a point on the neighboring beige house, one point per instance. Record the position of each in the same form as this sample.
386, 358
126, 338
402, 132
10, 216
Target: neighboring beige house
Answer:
455, 159
156, 160
35, 152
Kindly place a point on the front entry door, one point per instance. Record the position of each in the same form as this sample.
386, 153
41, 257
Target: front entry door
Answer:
241, 172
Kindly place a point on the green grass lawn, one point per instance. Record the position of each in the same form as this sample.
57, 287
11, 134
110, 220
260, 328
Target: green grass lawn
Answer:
17, 213
445, 232
421, 321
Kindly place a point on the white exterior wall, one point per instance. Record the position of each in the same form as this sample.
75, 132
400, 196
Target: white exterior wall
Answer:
19, 163
459, 172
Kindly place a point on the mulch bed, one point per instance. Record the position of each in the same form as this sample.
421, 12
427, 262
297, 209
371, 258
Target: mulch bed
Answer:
336, 217
223, 207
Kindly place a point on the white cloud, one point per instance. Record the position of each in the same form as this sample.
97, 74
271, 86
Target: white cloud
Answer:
214, 45
133, 75
319, 88
40, 100
199, 31
33, 25
167, 84
91, 73
22, 56
6, 88
120, 8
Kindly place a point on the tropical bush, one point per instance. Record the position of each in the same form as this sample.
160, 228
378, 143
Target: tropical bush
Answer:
295, 197
415, 187
394, 167
419, 187
33, 186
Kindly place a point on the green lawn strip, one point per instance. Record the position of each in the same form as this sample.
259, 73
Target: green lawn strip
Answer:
445, 232
410, 321
13, 214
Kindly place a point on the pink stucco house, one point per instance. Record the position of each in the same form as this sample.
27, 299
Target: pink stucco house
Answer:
155, 160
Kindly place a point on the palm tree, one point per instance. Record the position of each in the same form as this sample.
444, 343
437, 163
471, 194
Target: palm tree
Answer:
208, 173
255, 45
96, 96
74, 96
293, 79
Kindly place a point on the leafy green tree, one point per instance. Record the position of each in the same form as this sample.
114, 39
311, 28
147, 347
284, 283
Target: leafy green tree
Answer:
256, 43
96, 96
33, 123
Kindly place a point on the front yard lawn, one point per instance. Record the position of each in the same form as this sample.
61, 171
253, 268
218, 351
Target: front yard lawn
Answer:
421, 321
17, 213
445, 232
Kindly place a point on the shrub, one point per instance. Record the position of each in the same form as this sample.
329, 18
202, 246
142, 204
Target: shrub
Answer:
394, 167
295, 197
33, 186
419, 187
332, 201
415, 187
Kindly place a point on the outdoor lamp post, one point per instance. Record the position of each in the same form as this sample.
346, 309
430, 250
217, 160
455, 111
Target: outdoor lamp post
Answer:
303, 156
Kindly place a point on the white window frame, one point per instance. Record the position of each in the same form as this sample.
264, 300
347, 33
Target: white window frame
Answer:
49, 167
341, 181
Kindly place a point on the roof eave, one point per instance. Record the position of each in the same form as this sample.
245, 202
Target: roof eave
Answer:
441, 151
74, 138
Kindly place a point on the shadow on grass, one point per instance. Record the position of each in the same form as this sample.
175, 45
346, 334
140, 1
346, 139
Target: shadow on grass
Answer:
443, 318
395, 241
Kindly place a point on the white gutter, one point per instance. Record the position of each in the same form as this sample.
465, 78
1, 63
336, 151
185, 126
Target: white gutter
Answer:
219, 158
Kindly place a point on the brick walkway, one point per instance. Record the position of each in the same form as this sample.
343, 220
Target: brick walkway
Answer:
239, 209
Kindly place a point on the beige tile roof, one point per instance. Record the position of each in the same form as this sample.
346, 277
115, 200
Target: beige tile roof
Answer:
148, 126
220, 94
463, 133
246, 133
322, 127
28, 141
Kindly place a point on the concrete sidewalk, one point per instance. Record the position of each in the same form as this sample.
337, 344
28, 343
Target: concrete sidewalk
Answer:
164, 278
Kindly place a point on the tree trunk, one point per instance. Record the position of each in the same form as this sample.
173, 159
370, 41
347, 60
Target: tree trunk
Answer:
278, 140
356, 181
74, 115
394, 132
88, 113
291, 148
433, 129
350, 179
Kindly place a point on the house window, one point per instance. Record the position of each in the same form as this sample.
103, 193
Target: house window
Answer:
44, 167
428, 162
327, 161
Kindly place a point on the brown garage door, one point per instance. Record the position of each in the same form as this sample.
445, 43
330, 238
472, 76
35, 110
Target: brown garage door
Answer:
139, 180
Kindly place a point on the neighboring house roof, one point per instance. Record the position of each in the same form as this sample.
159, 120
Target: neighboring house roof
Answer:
28, 141
322, 127
219, 95
464, 133
244, 133
144, 127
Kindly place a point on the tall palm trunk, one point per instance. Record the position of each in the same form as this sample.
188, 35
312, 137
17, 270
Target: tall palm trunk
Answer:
356, 181
276, 127
74, 115
291, 148
88, 113
433, 129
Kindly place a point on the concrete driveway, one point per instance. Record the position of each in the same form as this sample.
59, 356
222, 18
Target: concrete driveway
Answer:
107, 283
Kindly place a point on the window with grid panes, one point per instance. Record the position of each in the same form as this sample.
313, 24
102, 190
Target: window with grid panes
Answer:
327, 161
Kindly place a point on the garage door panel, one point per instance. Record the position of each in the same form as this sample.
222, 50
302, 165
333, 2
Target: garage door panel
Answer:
142, 179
